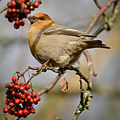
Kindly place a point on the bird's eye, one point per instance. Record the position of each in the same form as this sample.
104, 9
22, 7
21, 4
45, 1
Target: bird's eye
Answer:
41, 18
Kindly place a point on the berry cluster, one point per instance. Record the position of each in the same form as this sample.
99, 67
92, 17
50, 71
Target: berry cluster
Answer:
19, 9
20, 99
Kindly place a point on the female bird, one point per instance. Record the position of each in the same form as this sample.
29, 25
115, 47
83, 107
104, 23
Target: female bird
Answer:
61, 45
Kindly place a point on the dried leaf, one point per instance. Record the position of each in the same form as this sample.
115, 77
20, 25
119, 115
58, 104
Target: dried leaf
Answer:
64, 84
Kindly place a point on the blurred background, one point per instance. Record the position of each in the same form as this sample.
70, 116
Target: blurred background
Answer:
16, 56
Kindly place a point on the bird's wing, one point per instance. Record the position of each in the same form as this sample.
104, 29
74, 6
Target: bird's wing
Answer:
66, 31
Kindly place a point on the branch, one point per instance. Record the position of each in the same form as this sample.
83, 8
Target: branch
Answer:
106, 6
91, 71
115, 11
50, 87
3, 9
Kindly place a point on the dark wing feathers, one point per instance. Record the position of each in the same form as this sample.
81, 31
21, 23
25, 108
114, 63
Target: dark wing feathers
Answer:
95, 43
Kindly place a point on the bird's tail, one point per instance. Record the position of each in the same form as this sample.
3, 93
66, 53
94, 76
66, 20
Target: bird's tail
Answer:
95, 44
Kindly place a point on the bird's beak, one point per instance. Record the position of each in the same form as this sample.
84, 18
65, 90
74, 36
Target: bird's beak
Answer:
31, 19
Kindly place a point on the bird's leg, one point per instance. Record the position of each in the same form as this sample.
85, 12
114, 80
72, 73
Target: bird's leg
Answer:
50, 67
77, 72
53, 69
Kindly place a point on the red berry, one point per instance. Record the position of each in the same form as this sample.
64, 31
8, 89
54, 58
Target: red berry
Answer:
11, 104
13, 3
16, 26
17, 87
5, 110
14, 79
9, 10
36, 4
32, 100
17, 16
17, 94
33, 110
22, 23
6, 102
38, 98
17, 10
24, 0
25, 99
21, 87
16, 83
28, 97
28, 107
24, 6
22, 84
28, 86
13, 10
7, 14
25, 111
17, 22
28, 112
9, 4
23, 96
10, 85
20, 112
27, 11
7, 97
10, 112
27, 93
35, 101
17, 101
34, 94
10, 19
13, 93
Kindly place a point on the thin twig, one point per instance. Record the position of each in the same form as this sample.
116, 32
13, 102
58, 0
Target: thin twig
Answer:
115, 11
46, 90
3, 9
90, 67
39, 70
76, 116
106, 6
97, 4
104, 15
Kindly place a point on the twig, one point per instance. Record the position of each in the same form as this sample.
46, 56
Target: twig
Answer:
76, 116
39, 70
96, 2
3, 9
33, 75
115, 11
99, 15
91, 72
46, 90
104, 15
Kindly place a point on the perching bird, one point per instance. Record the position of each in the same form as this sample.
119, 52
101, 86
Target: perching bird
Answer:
59, 44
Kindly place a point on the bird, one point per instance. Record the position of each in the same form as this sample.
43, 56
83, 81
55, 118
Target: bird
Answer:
58, 44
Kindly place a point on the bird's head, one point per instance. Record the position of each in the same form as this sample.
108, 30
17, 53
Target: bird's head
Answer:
42, 20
